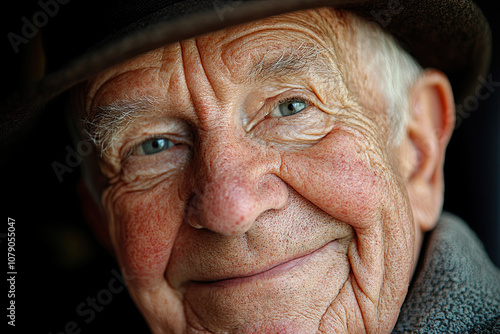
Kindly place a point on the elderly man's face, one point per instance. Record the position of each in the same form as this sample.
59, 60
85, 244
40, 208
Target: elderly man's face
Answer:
248, 190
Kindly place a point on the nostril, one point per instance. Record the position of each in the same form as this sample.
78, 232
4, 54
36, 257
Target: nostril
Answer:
191, 215
227, 198
195, 225
225, 205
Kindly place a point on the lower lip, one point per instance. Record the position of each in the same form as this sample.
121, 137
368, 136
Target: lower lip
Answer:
274, 272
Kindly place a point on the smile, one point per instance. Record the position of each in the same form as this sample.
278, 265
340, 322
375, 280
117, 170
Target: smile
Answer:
272, 272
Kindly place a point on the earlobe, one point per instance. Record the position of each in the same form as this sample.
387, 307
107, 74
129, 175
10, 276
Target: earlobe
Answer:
432, 119
94, 215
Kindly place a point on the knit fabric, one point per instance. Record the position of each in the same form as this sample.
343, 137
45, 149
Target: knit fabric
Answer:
456, 288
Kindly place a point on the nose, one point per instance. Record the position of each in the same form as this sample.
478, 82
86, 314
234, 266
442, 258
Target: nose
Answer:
233, 183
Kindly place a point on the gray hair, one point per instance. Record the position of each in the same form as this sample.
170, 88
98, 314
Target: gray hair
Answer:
114, 118
379, 54
394, 70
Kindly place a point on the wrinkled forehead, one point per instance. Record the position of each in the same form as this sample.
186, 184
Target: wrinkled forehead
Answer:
244, 51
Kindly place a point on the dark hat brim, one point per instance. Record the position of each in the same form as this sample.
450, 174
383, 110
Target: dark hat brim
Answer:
85, 39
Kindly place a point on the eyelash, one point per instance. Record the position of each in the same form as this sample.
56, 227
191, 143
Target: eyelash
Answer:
290, 99
136, 146
286, 100
273, 106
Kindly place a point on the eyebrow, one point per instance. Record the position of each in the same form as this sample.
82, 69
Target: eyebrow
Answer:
293, 61
107, 121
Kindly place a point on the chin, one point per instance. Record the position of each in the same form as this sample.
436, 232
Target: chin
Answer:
291, 297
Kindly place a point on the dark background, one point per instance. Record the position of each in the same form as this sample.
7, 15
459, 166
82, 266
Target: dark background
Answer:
60, 264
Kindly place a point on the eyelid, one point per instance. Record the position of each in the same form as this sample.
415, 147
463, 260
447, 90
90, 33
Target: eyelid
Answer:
137, 146
129, 151
273, 102
287, 100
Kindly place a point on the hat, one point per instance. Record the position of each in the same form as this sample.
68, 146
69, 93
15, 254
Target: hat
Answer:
66, 42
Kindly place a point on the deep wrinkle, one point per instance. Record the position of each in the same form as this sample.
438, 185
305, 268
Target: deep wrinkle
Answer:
232, 203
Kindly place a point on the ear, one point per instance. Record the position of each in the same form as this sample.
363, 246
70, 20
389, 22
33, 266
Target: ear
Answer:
430, 127
94, 215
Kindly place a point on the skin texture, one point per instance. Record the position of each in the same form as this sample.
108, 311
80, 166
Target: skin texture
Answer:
319, 197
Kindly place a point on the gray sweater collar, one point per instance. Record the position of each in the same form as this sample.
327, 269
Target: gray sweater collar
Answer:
456, 288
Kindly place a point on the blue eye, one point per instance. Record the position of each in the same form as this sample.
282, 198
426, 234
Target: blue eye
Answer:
153, 146
289, 108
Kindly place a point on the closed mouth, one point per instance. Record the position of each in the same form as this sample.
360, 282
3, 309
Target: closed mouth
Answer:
268, 273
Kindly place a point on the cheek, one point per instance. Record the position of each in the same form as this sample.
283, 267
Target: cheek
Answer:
339, 177
146, 224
